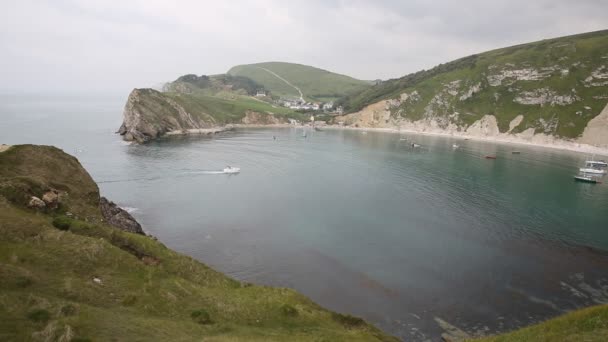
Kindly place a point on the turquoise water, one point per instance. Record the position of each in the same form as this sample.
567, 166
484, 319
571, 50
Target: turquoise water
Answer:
361, 223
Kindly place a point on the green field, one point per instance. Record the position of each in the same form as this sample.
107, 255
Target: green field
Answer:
77, 279
559, 67
316, 84
229, 108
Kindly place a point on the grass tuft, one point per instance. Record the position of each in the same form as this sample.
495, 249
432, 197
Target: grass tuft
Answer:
39, 315
201, 316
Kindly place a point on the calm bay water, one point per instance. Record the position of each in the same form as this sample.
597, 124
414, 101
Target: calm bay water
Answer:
361, 223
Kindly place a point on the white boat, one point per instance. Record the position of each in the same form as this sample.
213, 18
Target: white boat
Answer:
414, 145
455, 146
232, 169
595, 167
597, 163
593, 171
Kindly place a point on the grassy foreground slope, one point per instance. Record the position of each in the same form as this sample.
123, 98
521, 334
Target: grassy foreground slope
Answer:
557, 85
590, 325
315, 84
67, 276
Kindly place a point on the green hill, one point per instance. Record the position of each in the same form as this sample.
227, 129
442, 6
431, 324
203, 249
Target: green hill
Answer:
554, 86
315, 84
66, 275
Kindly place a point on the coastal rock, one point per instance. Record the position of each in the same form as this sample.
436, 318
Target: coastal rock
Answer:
596, 132
486, 126
257, 118
515, 122
149, 114
51, 199
36, 203
119, 217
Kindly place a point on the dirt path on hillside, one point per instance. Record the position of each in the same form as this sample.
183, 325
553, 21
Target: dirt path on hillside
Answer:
286, 82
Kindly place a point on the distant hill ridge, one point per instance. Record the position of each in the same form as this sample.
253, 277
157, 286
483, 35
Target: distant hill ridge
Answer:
284, 79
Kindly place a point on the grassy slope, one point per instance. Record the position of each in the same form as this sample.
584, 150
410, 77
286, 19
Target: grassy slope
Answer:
148, 292
589, 325
589, 49
230, 108
316, 84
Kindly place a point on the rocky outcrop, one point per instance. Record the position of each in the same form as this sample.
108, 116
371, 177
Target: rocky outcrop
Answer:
36, 203
257, 118
51, 199
118, 217
149, 114
596, 132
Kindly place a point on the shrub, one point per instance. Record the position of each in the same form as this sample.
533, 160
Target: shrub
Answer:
129, 300
39, 315
62, 222
289, 310
201, 316
23, 282
347, 320
68, 310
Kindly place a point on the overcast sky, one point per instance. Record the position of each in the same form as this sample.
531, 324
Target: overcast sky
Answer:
115, 45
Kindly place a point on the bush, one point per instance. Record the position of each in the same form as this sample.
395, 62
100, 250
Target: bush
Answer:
129, 300
39, 315
289, 311
68, 310
23, 282
62, 222
201, 316
347, 320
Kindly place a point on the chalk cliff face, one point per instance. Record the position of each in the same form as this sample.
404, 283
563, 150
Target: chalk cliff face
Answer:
554, 89
150, 114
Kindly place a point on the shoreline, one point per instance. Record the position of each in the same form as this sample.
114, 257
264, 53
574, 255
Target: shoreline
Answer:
558, 144
563, 145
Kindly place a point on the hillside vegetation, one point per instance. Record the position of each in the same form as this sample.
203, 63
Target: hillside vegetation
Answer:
554, 86
65, 275
315, 84
590, 325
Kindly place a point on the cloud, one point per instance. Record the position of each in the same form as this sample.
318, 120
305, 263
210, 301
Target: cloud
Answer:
117, 45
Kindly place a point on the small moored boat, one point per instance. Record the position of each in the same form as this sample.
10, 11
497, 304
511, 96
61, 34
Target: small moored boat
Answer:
586, 179
490, 157
515, 152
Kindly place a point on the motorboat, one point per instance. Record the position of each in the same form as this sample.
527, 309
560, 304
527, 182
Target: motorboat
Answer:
232, 169
490, 157
515, 152
455, 146
586, 179
592, 170
595, 167
414, 145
